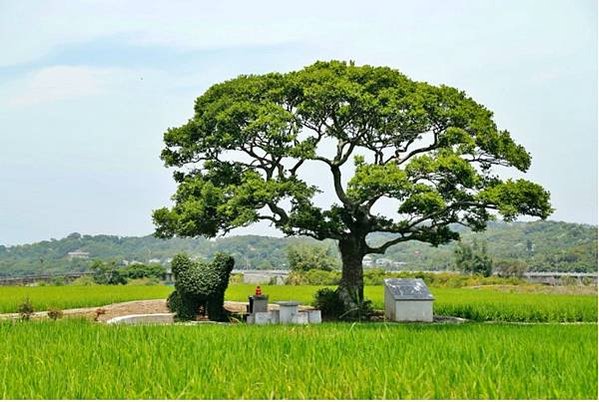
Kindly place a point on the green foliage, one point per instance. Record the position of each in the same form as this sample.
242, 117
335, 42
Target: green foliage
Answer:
107, 274
305, 257
58, 281
200, 286
544, 246
151, 281
313, 277
473, 259
137, 270
430, 148
25, 309
186, 309
371, 109
235, 279
85, 280
328, 302
362, 310
376, 276
332, 307
511, 268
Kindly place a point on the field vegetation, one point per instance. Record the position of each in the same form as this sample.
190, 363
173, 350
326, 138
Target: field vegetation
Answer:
480, 304
80, 360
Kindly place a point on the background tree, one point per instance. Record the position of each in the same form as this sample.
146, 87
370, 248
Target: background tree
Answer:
107, 273
304, 257
429, 148
473, 259
515, 268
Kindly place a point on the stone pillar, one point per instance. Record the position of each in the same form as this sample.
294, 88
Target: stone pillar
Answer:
258, 304
287, 310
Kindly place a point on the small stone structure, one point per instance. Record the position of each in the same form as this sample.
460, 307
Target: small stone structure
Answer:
288, 313
258, 304
408, 300
159, 318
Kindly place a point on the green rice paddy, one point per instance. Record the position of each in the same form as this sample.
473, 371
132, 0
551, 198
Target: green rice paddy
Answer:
76, 359
474, 304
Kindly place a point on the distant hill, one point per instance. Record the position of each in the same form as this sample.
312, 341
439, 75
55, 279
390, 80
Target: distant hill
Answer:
545, 246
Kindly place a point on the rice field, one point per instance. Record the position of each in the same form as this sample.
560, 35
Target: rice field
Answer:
474, 304
64, 297
73, 359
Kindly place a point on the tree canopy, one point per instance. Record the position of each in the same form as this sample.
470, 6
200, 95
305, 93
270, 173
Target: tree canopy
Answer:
239, 160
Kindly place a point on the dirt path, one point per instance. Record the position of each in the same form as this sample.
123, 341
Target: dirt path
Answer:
133, 307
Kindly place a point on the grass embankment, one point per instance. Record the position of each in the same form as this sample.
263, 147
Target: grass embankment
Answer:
475, 304
79, 360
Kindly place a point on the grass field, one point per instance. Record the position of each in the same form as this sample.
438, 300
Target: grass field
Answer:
475, 304
65, 297
80, 360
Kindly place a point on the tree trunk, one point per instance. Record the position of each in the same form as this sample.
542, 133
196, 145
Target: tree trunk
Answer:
351, 287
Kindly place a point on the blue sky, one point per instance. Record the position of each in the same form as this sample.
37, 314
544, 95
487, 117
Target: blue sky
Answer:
88, 88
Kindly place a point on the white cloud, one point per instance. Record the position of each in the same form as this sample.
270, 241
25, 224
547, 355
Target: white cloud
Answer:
65, 82
29, 31
58, 83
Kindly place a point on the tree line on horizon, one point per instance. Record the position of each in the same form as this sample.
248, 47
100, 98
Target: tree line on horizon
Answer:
543, 246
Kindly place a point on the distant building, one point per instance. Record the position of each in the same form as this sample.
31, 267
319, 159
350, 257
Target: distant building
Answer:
127, 262
383, 263
154, 261
84, 255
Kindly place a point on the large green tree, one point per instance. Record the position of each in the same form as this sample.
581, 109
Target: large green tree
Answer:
240, 159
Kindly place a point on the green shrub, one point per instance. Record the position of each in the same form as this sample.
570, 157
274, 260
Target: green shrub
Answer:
363, 310
184, 310
328, 302
146, 281
200, 285
25, 309
511, 268
85, 280
58, 281
313, 277
375, 276
137, 271
235, 279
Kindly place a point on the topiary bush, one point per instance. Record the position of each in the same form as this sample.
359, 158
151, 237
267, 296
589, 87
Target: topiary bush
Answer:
200, 285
